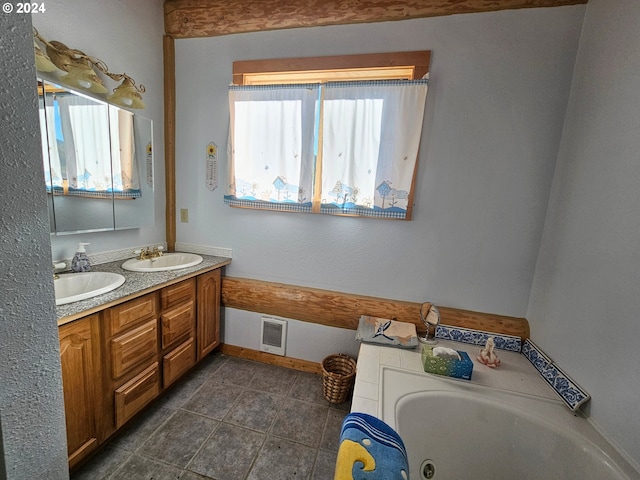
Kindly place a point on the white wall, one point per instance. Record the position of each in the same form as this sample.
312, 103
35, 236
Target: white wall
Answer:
32, 427
308, 341
495, 109
127, 35
585, 299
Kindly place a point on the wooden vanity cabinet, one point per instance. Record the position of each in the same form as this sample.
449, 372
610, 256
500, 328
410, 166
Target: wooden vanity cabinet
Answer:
116, 362
209, 287
178, 330
131, 347
82, 385
135, 394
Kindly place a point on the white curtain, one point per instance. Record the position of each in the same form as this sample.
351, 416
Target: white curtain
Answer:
370, 146
50, 153
271, 146
85, 126
126, 178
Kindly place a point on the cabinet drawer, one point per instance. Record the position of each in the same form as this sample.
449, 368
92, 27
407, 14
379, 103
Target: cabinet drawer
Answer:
178, 293
131, 397
133, 348
178, 361
177, 323
132, 312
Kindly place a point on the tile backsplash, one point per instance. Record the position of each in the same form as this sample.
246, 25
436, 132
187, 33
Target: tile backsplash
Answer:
568, 390
125, 253
478, 337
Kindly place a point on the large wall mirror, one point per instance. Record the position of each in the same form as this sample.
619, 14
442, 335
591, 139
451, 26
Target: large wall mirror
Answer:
98, 163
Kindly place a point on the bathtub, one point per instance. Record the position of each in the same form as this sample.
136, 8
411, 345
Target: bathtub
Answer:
457, 430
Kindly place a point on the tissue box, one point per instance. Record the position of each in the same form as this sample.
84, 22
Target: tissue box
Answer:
448, 367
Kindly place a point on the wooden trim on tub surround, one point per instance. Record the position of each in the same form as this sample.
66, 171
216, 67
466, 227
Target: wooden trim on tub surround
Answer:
343, 310
211, 18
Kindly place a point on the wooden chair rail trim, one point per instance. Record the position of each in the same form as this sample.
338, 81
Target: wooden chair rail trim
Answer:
343, 310
210, 18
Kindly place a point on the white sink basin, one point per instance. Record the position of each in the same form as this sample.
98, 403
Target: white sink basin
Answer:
73, 287
168, 261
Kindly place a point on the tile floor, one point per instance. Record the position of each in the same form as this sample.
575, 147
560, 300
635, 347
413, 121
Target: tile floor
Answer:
229, 419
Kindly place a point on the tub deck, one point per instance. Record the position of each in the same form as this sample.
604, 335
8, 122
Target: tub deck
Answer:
458, 426
516, 374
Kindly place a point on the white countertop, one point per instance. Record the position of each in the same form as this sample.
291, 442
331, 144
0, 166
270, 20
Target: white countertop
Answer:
515, 373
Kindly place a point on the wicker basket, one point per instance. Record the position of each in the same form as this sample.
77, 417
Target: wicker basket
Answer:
338, 375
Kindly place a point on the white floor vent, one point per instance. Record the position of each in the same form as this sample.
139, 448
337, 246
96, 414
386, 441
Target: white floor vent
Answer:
273, 335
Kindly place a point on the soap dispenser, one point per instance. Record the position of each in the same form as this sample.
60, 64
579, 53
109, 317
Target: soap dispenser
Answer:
80, 262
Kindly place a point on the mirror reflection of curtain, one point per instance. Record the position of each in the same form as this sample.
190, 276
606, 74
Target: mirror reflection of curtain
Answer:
126, 178
99, 149
50, 153
85, 127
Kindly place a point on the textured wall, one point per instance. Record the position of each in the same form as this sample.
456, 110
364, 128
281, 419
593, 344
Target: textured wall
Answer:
585, 301
31, 400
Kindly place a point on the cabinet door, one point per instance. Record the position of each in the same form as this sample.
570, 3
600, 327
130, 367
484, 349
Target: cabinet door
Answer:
208, 316
80, 358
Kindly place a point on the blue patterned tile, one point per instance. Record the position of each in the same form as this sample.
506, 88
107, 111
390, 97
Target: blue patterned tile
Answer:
477, 337
565, 387
550, 373
569, 391
536, 356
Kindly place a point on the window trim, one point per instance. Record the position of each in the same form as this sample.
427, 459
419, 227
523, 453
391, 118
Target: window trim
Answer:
418, 61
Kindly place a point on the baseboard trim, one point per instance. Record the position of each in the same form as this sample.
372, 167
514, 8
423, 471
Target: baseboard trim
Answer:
288, 362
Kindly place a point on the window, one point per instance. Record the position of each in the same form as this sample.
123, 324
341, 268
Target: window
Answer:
340, 141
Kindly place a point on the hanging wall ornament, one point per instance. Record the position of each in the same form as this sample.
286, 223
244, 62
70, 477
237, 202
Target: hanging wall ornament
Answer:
212, 166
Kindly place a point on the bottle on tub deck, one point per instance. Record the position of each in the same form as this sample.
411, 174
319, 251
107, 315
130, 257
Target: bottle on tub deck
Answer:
80, 262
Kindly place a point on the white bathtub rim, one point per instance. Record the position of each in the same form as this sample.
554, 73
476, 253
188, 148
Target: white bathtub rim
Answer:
587, 445
581, 426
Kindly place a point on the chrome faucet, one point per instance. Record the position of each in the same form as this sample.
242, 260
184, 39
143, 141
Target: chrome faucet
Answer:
149, 252
57, 266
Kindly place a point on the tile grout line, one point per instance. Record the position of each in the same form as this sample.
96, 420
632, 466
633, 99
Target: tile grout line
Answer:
296, 387
186, 467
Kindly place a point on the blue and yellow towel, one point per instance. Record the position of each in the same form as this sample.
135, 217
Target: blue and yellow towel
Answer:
370, 449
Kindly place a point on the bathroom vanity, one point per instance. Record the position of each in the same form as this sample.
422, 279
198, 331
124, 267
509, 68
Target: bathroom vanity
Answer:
121, 350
